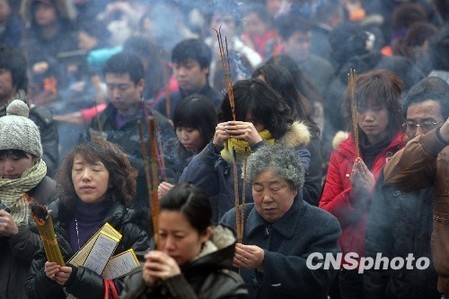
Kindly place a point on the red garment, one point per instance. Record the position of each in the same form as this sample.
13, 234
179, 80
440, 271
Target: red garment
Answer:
90, 113
335, 197
259, 43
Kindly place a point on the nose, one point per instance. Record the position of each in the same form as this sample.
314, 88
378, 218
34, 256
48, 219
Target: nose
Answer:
183, 135
420, 131
169, 244
266, 196
7, 167
86, 175
368, 115
115, 92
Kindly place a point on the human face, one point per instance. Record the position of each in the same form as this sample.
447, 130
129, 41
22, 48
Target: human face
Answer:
428, 110
5, 11
123, 93
373, 120
273, 7
190, 138
178, 238
12, 167
297, 45
90, 180
225, 21
253, 25
45, 14
272, 195
189, 75
7, 89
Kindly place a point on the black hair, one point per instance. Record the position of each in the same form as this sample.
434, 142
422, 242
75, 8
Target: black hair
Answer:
13, 152
125, 63
192, 48
430, 88
14, 61
122, 175
292, 23
196, 111
279, 79
192, 202
382, 87
256, 98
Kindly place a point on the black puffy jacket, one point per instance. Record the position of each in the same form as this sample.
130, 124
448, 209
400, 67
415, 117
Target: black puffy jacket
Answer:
84, 283
209, 276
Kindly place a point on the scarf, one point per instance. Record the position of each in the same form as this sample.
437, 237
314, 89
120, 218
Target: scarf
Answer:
12, 191
242, 148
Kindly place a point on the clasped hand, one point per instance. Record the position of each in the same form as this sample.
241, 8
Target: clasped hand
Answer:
236, 129
159, 266
59, 274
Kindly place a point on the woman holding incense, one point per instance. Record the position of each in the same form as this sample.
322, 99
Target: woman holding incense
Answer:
23, 177
280, 80
97, 184
262, 118
351, 176
194, 120
193, 259
281, 230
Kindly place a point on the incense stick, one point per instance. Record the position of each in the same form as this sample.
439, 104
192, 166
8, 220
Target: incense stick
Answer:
353, 102
154, 201
146, 166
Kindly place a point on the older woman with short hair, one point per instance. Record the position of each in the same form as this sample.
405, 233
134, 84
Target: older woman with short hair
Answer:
281, 230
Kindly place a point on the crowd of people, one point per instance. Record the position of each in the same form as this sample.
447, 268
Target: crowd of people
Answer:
230, 144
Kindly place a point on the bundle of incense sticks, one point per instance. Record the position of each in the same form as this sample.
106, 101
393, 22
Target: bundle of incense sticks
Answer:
154, 200
224, 55
353, 102
46, 231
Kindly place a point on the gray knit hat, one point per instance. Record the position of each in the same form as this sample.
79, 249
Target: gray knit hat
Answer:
19, 132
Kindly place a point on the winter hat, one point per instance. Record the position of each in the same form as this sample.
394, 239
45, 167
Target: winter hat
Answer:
18, 132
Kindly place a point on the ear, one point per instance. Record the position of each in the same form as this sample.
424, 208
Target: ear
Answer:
204, 238
140, 86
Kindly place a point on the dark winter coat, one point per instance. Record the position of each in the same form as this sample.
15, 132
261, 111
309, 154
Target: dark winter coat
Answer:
287, 243
48, 129
423, 163
337, 189
84, 283
210, 172
16, 253
400, 223
128, 139
209, 276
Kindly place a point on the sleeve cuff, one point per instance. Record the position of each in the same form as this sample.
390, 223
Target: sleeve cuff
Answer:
440, 138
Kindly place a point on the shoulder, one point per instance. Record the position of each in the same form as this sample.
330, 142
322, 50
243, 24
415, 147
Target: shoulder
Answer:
320, 219
41, 115
45, 192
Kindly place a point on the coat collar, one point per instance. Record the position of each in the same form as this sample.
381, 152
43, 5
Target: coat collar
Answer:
297, 134
286, 226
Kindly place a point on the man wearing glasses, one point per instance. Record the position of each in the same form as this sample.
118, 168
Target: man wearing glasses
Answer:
414, 190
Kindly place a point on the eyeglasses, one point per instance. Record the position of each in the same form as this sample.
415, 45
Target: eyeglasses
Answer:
425, 125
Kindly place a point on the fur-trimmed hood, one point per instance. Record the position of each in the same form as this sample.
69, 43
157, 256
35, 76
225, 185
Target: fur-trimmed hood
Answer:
297, 134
